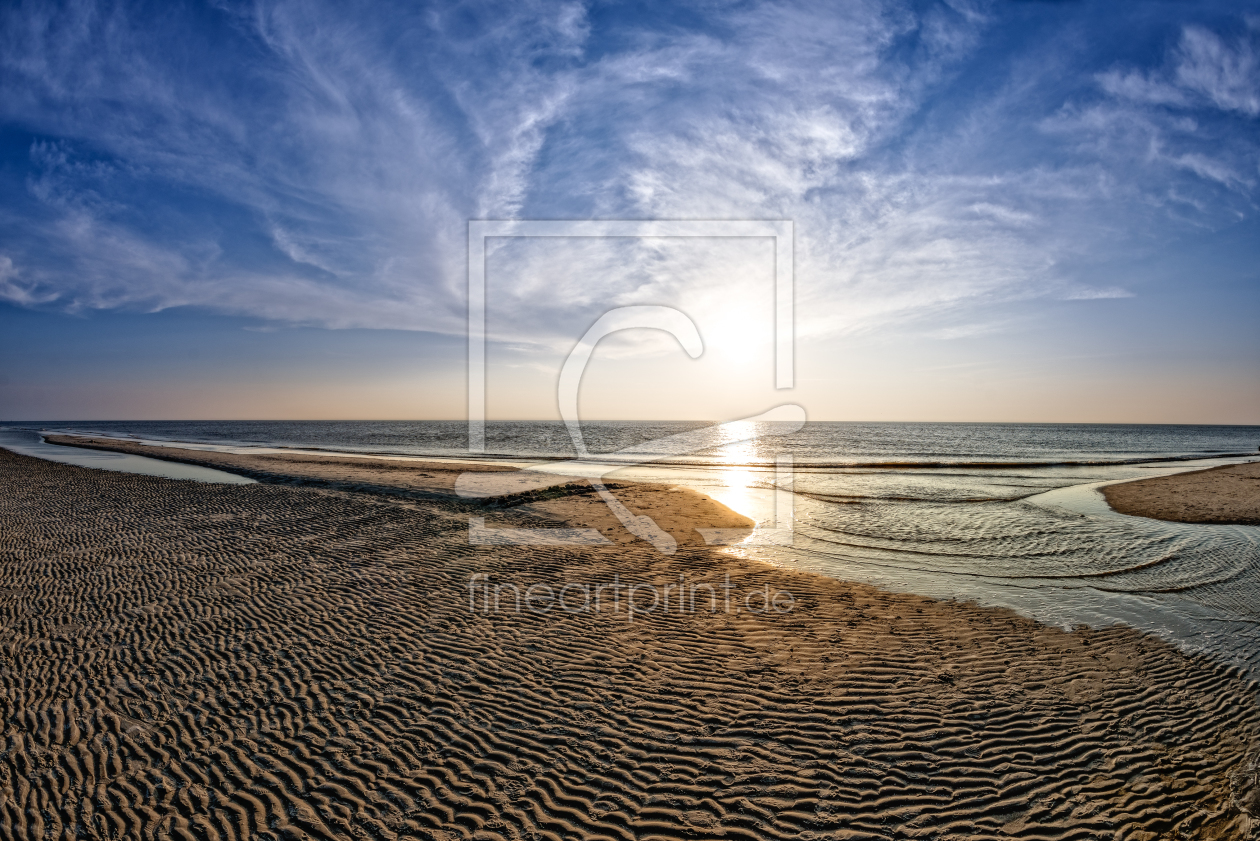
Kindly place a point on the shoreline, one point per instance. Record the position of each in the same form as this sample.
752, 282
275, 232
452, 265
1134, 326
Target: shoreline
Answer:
1225, 495
566, 500
311, 652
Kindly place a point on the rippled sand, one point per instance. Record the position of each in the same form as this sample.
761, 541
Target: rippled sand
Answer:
1226, 495
199, 661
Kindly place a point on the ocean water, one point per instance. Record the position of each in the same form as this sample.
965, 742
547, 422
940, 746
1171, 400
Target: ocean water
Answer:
28, 442
1000, 514
821, 444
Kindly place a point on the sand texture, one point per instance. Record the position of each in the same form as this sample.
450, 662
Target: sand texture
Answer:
679, 511
408, 479
185, 660
1223, 495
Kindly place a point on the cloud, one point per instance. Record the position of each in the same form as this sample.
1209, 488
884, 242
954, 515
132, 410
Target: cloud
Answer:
1181, 133
1086, 294
971, 331
13, 289
1138, 86
1204, 68
316, 163
359, 165
1228, 74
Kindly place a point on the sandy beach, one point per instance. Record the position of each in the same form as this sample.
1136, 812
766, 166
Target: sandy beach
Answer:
570, 501
608, 421
199, 661
1223, 495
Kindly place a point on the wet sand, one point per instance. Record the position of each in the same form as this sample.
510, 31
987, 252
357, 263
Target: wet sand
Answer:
199, 661
1228, 495
568, 501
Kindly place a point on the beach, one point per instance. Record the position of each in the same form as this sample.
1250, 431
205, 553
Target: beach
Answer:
1228, 495
572, 500
198, 661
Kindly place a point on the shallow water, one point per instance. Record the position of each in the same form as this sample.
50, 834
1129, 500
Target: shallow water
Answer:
1000, 514
29, 443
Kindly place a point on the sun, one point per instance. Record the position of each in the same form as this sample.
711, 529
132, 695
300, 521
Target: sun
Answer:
738, 338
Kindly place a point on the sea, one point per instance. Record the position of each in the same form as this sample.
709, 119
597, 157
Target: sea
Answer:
1004, 515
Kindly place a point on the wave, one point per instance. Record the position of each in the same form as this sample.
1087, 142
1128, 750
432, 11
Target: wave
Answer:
803, 464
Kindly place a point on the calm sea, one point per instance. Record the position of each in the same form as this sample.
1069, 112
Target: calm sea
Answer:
1000, 514
847, 444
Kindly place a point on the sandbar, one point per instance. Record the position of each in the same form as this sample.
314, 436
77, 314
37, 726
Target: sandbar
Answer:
1228, 495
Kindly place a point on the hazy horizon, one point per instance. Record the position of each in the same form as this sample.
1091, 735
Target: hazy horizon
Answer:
37, 421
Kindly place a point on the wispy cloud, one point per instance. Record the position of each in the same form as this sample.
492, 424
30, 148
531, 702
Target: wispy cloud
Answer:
1086, 294
1191, 112
1204, 68
316, 163
1225, 71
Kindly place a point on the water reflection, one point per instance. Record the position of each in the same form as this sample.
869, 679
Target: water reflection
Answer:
736, 485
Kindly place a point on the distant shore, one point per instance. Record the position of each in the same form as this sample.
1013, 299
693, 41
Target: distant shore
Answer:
1228, 495
343, 662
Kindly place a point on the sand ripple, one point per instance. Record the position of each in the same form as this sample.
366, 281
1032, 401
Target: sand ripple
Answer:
190, 661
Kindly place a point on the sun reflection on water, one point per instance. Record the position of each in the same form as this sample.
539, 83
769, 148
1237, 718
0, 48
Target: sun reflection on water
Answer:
735, 479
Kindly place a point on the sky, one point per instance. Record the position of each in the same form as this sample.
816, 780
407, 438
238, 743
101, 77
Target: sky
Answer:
1002, 211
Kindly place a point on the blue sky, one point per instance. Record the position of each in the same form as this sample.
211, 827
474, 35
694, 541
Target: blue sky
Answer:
1003, 211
